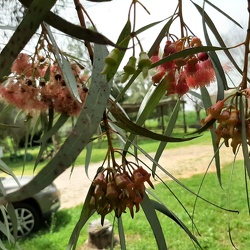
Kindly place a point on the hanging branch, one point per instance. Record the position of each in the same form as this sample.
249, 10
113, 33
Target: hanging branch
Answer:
247, 51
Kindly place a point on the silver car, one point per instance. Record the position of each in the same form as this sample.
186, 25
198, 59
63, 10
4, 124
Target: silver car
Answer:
32, 212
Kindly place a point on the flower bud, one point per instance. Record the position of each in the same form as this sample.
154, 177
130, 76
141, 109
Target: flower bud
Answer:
144, 63
130, 66
111, 60
113, 56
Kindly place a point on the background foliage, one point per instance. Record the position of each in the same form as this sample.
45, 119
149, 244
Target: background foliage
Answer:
96, 78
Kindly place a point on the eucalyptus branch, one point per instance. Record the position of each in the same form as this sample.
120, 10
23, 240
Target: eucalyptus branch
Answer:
181, 18
110, 144
79, 9
247, 51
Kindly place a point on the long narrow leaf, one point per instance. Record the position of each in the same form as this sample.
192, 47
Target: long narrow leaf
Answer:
64, 65
207, 103
154, 222
86, 213
148, 26
123, 41
26, 29
212, 27
82, 133
89, 148
121, 234
71, 29
164, 210
168, 132
148, 105
54, 129
126, 124
244, 137
223, 13
187, 52
155, 45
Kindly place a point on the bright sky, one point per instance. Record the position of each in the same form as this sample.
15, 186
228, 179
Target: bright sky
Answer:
110, 17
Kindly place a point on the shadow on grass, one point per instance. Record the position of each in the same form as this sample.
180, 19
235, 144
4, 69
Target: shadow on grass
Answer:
56, 222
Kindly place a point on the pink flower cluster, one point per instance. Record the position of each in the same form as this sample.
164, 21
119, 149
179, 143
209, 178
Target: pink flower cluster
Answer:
183, 73
28, 90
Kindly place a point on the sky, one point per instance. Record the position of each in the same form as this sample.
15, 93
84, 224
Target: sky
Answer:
110, 17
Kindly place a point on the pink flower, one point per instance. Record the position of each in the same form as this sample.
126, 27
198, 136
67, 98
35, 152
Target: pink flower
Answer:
181, 86
22, 65
203, 75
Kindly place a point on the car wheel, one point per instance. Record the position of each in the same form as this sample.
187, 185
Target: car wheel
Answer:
28, 219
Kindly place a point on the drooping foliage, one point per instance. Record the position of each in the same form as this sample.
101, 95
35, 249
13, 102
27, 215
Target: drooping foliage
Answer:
51, 84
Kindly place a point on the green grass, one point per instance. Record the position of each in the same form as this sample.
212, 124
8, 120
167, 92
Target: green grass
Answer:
99, 152
212, 222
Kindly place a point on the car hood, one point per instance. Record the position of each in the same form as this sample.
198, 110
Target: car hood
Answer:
10, 183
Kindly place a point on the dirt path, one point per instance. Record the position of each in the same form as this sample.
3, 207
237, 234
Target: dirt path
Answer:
181, 163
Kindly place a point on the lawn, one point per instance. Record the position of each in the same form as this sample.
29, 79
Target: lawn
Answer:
99, 151
212, 222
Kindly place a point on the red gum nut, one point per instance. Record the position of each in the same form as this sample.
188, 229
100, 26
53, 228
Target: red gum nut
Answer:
146, 176
203, 56
236, 139
100, 179
122, 180
224, 116
138, 177
215, 110
233, 121
179, 45
139, 190
129, 191
195, 42
190, 66
158, 76
169, 49
112, 193
99, 192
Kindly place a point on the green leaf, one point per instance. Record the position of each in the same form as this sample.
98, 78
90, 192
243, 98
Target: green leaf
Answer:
161, 35
186, 52
148, 26
223, 13
86, 213
219, 71
155, 45
125, 123
25, 30
6, 126
207, 104
54, 129
164, 210
7, 170
65, 67
244, 135
73, 30
150, 101
121, 234
123, 41
45, 125
154, 222
205, 127
80, 136
89, 148
206, 19
167, 132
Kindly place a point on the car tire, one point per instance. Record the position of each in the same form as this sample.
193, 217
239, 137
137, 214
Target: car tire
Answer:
28, 219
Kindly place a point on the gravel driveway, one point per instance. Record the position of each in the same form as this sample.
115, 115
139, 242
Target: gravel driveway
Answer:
180, 162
